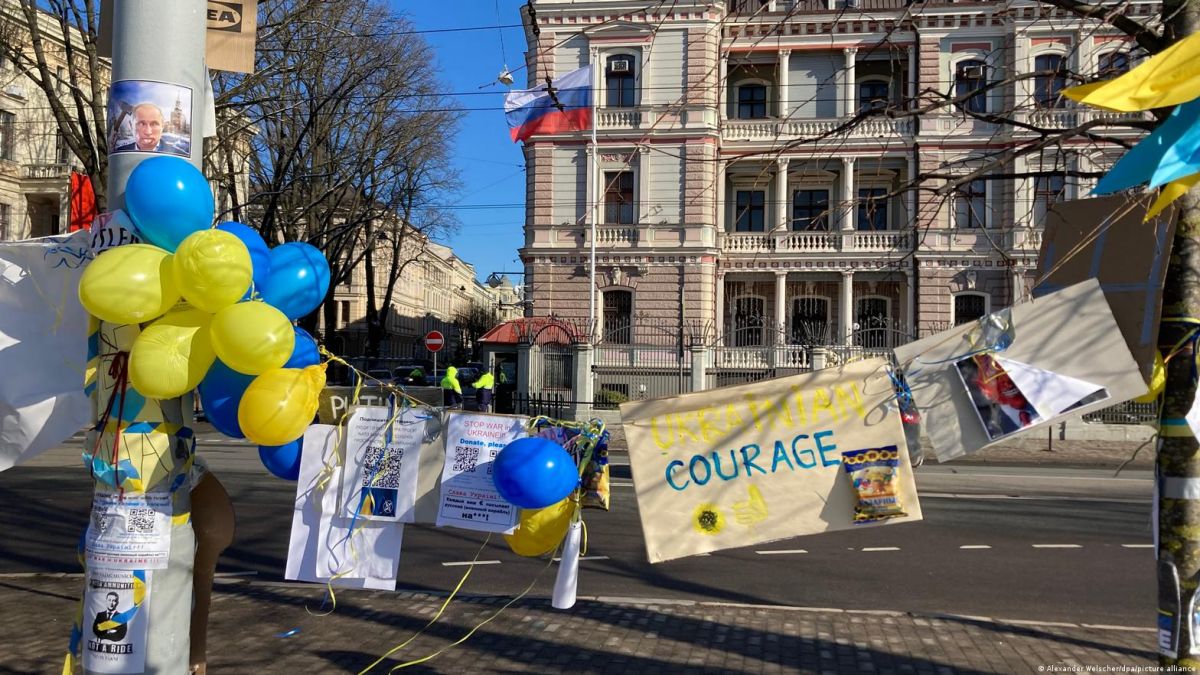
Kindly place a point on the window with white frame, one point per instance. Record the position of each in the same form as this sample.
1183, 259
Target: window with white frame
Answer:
810, 209
970, 205
1049, 80
750, 210
8, 123
5, 221
969, 306
748, 321
874, 94
1112, 64
872, 211
970, 79
619, 205
751, 100
809, 322
620, 81
1047, 191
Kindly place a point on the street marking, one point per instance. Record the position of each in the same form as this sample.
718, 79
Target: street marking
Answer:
471, 562
872, 549
1137, 545
587, 557
1057, 546
974, 546
784, 552
1032, 498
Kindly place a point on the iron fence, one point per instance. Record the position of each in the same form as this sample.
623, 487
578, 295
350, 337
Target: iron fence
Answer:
1129, 412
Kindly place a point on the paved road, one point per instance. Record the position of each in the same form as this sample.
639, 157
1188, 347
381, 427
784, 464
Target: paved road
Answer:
1008, 542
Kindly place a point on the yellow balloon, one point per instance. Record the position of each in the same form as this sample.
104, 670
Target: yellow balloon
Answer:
541, 530
252, 337
212, 269
280, 404
129, 284
172, 354
1158, 380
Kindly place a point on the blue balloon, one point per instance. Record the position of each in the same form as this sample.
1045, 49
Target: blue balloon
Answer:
534, 473
167, 198
283, 461
220, 394
299, 279
305, 352
260, 254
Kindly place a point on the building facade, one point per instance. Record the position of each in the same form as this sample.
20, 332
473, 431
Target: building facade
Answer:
434, 291
807, 172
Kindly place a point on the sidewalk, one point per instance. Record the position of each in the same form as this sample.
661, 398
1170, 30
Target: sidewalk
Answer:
596, 636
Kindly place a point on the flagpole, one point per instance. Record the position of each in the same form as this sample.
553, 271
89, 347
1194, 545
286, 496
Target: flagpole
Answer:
595, 206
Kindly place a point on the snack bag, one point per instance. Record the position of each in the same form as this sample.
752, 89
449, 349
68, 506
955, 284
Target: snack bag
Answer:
595, 476
873, 473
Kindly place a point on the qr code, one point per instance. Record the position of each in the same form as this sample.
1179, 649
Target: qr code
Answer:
466, 459
381, 467
140, 521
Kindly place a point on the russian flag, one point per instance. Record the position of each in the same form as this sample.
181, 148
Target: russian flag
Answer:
535, 111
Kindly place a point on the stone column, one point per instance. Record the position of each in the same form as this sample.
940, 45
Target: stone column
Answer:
910, 302
846, 313
642, 198
848, 194
699, 364
781, 194
784, 92
582, 385
524, 368
719, 189
780, 301
722, 85
720, 313
1017, 283
849, 99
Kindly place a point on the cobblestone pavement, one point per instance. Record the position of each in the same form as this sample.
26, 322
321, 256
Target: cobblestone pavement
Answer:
278, 628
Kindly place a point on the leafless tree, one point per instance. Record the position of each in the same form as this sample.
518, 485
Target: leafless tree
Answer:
347, 136
53, 43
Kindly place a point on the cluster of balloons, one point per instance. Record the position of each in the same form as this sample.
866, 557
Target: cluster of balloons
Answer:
218, 305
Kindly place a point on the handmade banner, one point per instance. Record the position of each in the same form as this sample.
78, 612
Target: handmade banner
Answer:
759, 462
326, 546
1106, 239
1061, 353
383, 449
469, 496
115, 621
42, 328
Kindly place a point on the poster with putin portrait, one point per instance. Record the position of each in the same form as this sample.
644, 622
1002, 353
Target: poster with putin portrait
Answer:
149, 116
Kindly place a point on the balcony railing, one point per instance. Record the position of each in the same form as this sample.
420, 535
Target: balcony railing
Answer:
618, 118
45, 171
772, 129
818, 242
1019, 238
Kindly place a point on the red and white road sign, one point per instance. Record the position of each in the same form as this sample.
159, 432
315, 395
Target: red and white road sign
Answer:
434, 341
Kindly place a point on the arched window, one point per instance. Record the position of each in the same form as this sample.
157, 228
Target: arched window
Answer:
1050, 80
968, 307
618, 317
751, 101
619, 81
970, 78
873, 314
874, 94
1112, 64
748, 321
810, 321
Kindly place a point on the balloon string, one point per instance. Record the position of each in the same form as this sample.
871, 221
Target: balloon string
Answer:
440, 611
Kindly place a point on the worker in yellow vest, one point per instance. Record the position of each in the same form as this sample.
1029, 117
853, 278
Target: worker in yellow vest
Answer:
451, 389
484, 388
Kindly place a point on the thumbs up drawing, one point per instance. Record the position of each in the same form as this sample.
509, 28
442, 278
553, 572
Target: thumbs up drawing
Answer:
752, 511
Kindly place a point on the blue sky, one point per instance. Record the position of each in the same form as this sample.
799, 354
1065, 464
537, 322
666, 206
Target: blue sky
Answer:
490, 204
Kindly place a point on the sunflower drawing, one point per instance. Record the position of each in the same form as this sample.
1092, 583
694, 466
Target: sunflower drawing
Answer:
708, 519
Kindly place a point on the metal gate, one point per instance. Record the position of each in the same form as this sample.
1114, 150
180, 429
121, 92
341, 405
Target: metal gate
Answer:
643, 359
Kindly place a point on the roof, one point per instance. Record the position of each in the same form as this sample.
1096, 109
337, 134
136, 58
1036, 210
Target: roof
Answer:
541, 330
